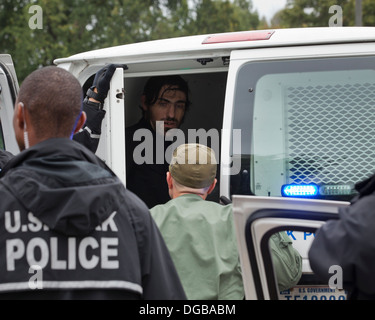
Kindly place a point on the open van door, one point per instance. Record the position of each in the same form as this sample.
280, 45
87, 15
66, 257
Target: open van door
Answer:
256, 220
8, 93
113, 126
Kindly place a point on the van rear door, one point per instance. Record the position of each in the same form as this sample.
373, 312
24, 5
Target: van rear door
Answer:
256, 220
8, 93
306, 116
113, 127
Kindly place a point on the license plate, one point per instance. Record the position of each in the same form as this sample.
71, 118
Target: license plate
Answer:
313, 293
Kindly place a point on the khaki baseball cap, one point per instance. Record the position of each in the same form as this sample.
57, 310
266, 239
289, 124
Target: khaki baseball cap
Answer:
193, 165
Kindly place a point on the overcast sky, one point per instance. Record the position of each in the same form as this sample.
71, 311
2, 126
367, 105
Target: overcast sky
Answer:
268, 8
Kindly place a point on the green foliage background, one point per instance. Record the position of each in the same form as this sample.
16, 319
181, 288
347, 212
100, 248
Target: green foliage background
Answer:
74, 26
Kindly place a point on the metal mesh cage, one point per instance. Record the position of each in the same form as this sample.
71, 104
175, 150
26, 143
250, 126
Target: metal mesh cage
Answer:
330, 133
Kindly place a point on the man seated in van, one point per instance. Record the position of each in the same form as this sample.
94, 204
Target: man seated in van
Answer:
165, 100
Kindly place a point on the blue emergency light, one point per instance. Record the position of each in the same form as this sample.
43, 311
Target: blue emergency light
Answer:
300, 190
313, 190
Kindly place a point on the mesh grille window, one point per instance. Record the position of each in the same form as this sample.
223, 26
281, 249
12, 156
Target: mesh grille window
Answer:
306, 121
330, 133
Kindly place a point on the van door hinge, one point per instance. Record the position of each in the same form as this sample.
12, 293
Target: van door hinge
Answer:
204, 61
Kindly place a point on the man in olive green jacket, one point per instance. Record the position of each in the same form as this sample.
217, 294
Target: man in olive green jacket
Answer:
200, 234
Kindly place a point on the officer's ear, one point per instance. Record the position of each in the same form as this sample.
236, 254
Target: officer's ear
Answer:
19, 116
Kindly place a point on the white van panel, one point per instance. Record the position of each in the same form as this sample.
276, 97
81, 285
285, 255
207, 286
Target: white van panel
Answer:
192, 46
300, 52
9, 88
244, 207
114, 123
241, 57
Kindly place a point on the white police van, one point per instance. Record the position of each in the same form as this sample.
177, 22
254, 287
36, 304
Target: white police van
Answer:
293, 111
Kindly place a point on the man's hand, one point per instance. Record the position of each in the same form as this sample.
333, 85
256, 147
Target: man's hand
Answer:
100, 87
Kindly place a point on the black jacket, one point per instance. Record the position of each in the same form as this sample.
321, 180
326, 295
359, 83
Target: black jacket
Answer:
62, 210
147, 180
89, 135
349, 243
5, 156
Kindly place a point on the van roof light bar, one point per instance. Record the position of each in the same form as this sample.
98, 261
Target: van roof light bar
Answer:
238, 37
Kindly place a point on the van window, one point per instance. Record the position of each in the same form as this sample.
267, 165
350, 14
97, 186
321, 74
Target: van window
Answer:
305, 122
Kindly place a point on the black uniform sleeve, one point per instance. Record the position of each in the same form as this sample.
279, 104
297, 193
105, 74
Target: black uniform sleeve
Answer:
331, 246
348, 243
5, 156
90, 134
